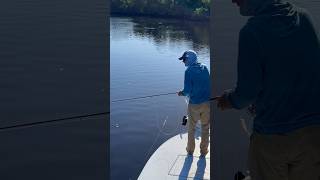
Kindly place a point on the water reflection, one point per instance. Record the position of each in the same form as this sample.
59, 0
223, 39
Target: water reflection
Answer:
143, 61
173, 31
162, 31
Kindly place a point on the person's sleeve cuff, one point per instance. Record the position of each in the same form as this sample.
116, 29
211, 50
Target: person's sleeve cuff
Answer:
184, 93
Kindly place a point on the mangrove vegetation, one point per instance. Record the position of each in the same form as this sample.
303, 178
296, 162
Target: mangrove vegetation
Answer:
183, 9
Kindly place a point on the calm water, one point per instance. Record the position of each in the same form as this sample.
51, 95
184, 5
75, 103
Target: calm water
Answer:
144, 54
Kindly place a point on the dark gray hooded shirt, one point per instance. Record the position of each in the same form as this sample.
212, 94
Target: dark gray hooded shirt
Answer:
279, 69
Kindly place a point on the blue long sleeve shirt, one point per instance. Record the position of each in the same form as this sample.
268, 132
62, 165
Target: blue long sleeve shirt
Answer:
197, 83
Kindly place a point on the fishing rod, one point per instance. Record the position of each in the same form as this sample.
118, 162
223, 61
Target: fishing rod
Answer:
214, 99
184, 118
25, 125
151, 96
143, 97
79, 116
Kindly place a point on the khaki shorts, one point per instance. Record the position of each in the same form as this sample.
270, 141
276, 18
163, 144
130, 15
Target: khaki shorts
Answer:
292, 156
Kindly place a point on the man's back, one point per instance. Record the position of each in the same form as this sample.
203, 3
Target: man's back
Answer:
285, 45
197, 80
278, 71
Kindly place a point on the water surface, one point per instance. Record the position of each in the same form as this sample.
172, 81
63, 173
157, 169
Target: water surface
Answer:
144, 61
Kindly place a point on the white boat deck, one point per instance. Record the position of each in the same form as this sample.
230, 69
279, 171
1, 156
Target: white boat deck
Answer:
171, 162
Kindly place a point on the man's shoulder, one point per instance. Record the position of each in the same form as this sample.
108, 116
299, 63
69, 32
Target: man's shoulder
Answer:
302, 11
196, 67
247, 30
250, 25
199, 66
305, 14
188, 70
202, 65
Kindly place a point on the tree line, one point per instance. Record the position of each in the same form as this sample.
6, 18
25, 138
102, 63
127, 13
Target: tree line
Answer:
189, 9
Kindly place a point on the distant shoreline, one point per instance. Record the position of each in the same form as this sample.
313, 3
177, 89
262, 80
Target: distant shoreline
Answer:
184, 18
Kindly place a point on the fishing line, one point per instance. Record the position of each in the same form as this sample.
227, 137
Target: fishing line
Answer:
152, 146
164, 122
245, 127
160, 126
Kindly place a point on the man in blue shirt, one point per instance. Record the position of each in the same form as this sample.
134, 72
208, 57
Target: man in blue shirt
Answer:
279, 72
197, 89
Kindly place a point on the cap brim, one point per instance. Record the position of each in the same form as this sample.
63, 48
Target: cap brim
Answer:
180, 58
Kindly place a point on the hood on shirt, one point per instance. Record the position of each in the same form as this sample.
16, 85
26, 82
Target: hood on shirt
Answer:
191, 61
252, 7
279, 18
190, 57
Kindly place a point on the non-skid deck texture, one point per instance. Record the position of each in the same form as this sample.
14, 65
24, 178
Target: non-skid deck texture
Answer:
191, 167
171, 162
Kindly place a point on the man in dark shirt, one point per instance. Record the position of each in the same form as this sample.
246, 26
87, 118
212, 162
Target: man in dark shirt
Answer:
279, 72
